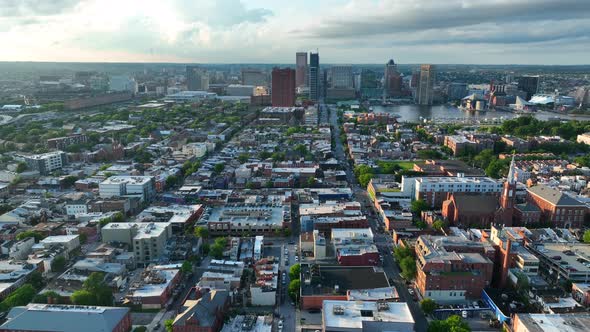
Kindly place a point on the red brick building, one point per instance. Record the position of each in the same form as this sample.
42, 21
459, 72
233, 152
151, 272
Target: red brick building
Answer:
283, 87
557, 208
452, 268
204, 314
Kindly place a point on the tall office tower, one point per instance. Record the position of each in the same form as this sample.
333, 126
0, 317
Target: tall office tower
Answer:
301, 69
424, 91
197, 79
392, 80
528, 84
283, 87
254, 77
314, 76
341, 77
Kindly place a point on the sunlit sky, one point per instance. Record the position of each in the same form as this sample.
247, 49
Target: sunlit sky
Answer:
271, 31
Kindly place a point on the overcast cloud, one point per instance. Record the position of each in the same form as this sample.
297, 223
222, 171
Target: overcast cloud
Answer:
271, 31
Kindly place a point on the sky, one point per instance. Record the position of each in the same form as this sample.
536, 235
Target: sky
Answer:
551, 32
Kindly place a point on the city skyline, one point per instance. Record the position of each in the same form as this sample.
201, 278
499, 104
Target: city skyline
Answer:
545, 32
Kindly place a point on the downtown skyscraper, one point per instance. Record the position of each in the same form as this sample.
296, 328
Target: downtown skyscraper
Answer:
314, 76
283, 87
424, 90
301, 69
197, 79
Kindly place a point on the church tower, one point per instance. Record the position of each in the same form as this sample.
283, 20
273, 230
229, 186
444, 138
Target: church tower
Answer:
508, 196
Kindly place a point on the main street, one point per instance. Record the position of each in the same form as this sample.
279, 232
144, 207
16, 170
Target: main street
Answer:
382, 239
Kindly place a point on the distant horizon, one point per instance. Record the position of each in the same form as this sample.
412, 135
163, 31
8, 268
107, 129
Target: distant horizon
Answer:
527, 32
293, 63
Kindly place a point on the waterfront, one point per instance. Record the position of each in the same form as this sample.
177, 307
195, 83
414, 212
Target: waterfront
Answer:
447, 113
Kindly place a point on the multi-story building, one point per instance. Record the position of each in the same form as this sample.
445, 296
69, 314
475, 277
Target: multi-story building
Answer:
355, 247
67, 318
264, 289
122, 83
47, 162
155, 286
567, 322
334, 282
148, 240
434, 190
254, 77
128, 186
459, 144
453, 268
283, 87
392, 80
314, 76
61, 143
255, 219
557, 207
197, 79
425, 88
204, 314
365, 316
239, 90
301, 69
528, 84
456, 91
563, 261
327, 216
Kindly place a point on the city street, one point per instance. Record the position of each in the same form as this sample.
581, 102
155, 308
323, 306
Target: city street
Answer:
381, 239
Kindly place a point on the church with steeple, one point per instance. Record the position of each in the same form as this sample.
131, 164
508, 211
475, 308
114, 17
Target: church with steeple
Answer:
483, 209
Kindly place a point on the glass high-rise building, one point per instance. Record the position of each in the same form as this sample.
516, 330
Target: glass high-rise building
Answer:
314, 76
301, 69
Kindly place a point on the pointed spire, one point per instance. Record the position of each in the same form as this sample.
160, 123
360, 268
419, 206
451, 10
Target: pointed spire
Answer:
512, 172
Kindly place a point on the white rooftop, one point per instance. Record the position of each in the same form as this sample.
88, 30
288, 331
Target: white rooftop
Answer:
352, 314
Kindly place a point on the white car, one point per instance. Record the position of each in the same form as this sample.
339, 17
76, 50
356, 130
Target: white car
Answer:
280, 324
297, 258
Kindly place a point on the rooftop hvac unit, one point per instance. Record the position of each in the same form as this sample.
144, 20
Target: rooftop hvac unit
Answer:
338, 310
382, 306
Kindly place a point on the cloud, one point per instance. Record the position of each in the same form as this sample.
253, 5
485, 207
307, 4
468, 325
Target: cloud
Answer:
221, 13
35, 7
397, 16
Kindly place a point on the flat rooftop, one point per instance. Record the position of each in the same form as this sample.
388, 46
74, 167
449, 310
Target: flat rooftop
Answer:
324, 279
373, 294
574, 257
127, 179
352, 314
247, 215
578, 322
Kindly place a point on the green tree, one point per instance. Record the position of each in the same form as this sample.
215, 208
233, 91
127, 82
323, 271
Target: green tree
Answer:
36, 280
428, 306
242, 158
205, 248
311, 182
364, 179
20, 297
171, 181
301, 149
452, 324
438, 224
169, 324
402, 252
408, 266
36, 235
218, 168
69, 181
44, 297
418, 206
587, 236
295, 272
96, 285
83, 297
293, 289
21, 167
278, 156
187, 267
59, 264
202, 232
216, 252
